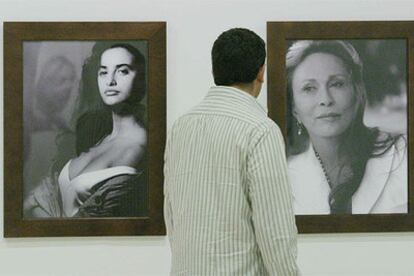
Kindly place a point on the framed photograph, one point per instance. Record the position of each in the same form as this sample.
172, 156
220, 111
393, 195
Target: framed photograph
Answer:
84, 128
340, 93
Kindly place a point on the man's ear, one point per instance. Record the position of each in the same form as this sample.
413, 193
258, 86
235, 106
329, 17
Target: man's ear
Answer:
260, 74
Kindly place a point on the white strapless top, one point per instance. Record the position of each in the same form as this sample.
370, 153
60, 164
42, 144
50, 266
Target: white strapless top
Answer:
73, 190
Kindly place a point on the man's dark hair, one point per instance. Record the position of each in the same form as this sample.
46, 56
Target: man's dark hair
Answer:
237, 56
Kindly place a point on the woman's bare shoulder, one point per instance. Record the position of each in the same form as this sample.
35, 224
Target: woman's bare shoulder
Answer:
129, 150
139, 137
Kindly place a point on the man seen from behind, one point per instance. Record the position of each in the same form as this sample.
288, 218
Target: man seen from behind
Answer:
228, 203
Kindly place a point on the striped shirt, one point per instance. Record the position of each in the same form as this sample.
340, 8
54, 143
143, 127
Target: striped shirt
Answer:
228, 204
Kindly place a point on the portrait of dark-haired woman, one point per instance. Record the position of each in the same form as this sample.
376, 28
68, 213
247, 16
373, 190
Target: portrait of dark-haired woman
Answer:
107, 175
337, 164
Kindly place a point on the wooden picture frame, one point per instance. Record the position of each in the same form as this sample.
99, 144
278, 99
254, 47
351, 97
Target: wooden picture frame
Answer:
280, 36
16, 34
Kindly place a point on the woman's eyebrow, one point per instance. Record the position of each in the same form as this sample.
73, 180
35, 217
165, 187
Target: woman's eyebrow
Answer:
308, 80
118, 66
338, 75
124, 64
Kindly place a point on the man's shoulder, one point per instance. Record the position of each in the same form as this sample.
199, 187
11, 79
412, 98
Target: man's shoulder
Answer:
267, 125
232, 113
225, 102
251, 119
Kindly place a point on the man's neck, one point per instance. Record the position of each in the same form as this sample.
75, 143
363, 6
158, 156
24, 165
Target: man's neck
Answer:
248, 88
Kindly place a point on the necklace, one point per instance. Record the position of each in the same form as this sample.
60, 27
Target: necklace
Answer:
323, 168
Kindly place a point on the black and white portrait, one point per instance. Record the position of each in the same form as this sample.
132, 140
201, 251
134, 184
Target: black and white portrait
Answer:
347, 126
85, 134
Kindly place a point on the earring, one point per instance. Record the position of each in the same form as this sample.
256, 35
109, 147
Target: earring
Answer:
299, 127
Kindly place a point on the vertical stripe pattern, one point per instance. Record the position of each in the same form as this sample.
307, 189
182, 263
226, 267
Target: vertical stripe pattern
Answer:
228, 205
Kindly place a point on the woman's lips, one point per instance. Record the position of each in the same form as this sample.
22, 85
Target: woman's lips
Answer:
111, 92
329, 116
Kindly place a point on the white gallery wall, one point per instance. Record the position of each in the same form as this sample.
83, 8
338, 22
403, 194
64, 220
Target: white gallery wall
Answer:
192, 26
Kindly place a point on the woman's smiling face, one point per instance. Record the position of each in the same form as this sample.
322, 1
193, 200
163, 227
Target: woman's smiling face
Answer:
116, 75
323, 95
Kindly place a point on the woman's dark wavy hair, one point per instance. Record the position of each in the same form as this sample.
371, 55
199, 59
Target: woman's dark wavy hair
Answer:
359, 142
92, 119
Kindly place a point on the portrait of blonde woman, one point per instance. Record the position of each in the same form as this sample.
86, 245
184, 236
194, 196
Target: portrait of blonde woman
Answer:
337, 163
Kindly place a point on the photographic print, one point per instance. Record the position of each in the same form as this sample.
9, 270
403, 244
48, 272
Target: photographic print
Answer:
346, 123
88, 149
343, 107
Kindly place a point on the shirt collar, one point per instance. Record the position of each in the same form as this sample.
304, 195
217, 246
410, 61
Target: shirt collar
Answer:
232, 92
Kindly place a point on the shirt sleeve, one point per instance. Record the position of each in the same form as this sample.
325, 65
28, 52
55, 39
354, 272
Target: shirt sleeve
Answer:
271, 202
167, 202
